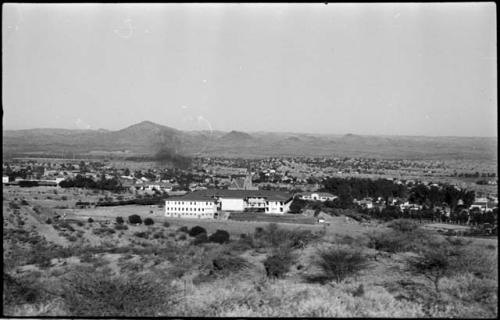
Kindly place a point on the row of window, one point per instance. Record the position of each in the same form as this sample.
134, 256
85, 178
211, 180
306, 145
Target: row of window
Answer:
196, 214
184, 209
189, 202
208, 203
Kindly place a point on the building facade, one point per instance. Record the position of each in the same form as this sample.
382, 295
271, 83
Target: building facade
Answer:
191, 206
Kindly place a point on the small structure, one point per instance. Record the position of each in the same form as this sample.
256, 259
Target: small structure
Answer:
317, 196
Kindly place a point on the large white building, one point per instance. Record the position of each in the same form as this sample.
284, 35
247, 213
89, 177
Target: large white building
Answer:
208, 203
192, 205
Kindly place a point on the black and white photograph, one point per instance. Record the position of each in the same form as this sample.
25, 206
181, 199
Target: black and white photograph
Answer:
311, 160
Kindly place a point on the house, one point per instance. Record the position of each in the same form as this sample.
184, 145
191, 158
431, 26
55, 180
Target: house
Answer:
317, 196
5, 179
480, 203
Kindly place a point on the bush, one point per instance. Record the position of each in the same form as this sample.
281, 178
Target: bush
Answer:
434, 264
90, 220
119, 220
19, 291
48, 221
278, 264
200, 238
183, 229
396, 241
148, 221
227, 264
274, 237
340, 263
121, 227
166, 224
220, 236
144, 235
134, 219
403, 225
196, 230
90, 294
182, 237
103, 231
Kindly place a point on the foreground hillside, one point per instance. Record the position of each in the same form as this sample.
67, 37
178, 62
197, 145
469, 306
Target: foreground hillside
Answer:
148, 138
104, 266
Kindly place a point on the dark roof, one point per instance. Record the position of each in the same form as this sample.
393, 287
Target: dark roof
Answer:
210, 194
192, 196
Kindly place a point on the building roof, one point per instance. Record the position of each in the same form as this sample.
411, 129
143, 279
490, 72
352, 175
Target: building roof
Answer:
210, 194
321, 194
192, 196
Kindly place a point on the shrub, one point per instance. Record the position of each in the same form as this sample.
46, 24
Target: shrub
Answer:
273, 236
90, 294
227, 263
340, 263
48, 221
403, 225
183, 229
220, 236
278, 264
433, 264
24, 202
144, 235
119, 220
14, 205
166, 224
19, 291
148, 221
134, 219
103, 231
200, 238
90, 220
182, 237
196, 230
121, 227
396, 241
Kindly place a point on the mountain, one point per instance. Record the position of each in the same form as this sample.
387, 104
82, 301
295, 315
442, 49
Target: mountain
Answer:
149, 138
236, 137
144, 137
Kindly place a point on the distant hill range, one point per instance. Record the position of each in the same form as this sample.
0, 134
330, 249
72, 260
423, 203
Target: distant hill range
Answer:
148, 138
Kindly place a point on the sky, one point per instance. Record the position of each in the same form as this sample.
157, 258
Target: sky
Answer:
374, 69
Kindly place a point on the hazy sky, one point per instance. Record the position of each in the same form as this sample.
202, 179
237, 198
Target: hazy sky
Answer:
403, 69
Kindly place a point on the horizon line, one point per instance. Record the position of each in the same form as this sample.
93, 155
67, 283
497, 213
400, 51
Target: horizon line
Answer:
254, 132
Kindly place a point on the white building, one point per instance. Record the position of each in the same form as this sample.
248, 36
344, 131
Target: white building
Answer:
208, 203
5, 179
317, 196
191, 206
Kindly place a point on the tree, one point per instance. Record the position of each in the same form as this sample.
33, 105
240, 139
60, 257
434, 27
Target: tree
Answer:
134, 219
297, 205
434, 263
220, 236
196, 230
